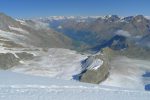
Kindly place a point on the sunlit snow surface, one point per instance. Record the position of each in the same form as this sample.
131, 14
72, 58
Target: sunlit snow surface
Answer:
64, 64
124, 83
14, 37
18, 30
92, 63
127, 73
57, 63
24, 87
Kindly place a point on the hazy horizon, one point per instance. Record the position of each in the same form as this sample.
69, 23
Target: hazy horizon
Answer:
40, 8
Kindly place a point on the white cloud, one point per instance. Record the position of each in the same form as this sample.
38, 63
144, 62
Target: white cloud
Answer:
123, 33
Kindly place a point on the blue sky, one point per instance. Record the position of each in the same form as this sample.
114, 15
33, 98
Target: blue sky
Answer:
42, 8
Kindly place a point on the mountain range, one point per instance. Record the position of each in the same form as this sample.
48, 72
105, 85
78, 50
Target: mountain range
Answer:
83, 45
95, 33
20, 39
30, 33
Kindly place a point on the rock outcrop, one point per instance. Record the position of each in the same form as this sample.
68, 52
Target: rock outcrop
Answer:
8, 60
91, 75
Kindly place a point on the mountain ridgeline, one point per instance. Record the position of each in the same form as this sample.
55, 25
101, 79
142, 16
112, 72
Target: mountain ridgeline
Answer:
121, 34
41, 45
21, 40
31, 33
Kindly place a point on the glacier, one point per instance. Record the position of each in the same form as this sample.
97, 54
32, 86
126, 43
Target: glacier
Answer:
56, 63
14, 86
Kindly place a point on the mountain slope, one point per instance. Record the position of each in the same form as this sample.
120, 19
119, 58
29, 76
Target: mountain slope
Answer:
29, 46
100, 30
30, 33
23, 40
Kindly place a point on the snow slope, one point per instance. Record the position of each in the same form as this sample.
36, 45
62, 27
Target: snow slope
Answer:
18, 30
127, 73
24, 87
17, 38
64, 64
57, 63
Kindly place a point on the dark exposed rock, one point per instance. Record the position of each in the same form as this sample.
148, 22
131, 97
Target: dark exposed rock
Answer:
99, 75
116, 43
25, 56
8, 60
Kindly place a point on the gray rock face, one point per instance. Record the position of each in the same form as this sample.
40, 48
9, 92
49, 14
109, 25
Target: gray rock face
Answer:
145, 41
31, 33
16, 35
25, 56
6, 21
99, 75
8, 60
